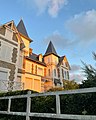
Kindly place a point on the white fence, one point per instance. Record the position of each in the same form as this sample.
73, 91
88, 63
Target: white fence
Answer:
58, 114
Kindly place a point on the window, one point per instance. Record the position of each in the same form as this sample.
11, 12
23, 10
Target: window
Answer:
44, 71
3, 75
55, 72
36, 69
48, 60
62, 73
3, 80
40, 71
67, 75
48, 72
24, 63
32, 68
28, 67
58, 71
5, 52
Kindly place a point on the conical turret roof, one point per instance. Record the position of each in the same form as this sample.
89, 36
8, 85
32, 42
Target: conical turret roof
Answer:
22, 29
50, 50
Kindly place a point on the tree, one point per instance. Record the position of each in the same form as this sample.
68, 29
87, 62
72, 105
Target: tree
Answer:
70, 84
67, 85
90, 74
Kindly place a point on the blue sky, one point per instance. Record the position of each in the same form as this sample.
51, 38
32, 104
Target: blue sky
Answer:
69, 24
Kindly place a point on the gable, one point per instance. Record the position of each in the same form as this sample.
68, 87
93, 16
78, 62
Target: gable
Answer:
64, 62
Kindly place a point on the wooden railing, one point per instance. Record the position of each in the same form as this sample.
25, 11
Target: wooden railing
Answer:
58, 114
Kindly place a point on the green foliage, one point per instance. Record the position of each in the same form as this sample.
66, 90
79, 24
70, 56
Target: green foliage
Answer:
70, 85
90, 74
77, 103
55, 89
67, 85
44, 104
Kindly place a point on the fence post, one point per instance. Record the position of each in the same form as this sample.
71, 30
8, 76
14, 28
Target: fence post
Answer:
28, 106
58, 111
9, 105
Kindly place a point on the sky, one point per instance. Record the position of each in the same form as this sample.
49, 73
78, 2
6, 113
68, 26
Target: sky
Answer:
69, 24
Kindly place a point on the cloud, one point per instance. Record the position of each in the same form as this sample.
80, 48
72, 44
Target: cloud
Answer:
55, 6
59, 41
76, 73
83, 31
41, 5
77, 77
52, 7
83, 26
75, 68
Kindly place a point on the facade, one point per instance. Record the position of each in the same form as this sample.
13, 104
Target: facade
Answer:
9, 52
19, 66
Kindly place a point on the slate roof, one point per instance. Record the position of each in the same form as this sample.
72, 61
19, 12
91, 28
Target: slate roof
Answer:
22, 29
50, 50
35, 58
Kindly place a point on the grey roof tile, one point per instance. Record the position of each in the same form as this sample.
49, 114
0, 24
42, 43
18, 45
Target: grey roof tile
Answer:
50, 50
21, 28
35, 58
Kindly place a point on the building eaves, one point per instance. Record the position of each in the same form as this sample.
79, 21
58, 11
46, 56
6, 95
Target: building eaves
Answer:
34, 58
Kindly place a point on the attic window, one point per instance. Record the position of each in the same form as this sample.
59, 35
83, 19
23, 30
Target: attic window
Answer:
10, 25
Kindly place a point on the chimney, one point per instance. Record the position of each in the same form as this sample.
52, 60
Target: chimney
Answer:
30, 51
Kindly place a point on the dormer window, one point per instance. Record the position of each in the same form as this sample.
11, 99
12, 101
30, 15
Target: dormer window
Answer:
40, 57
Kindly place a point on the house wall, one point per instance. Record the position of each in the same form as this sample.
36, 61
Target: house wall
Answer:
32, 75
27, 45
8, 54
32, 82
51, 62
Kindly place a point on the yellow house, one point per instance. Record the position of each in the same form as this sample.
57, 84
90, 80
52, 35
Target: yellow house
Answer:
41, 72
36, 72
